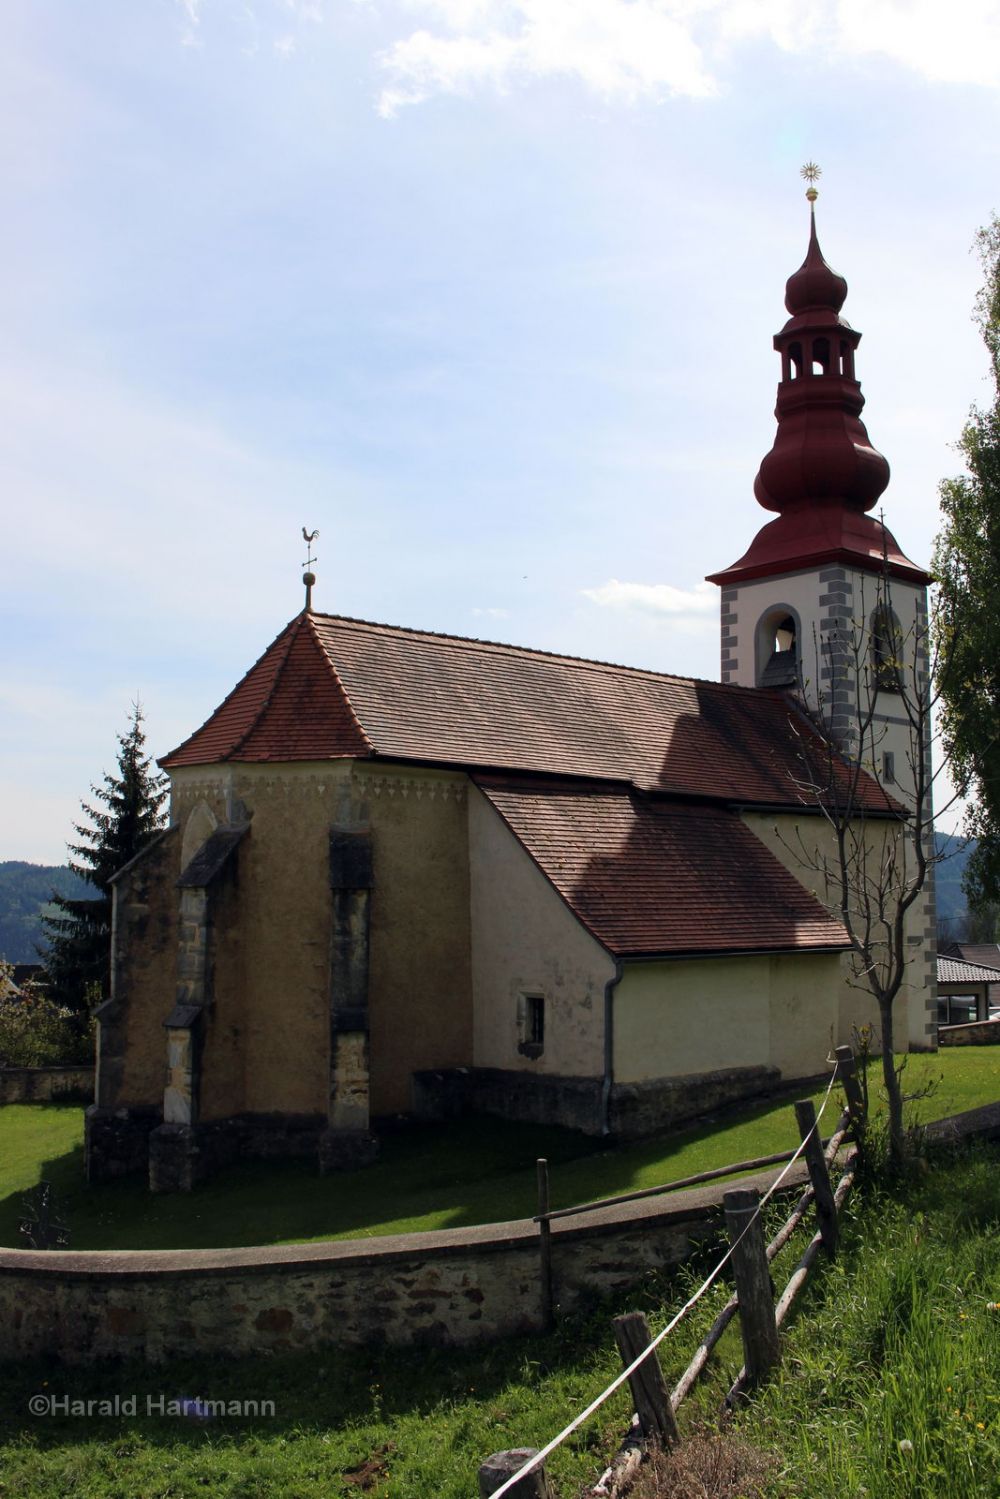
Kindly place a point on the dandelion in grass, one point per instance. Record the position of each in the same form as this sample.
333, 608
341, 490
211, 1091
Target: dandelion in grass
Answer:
905, 1446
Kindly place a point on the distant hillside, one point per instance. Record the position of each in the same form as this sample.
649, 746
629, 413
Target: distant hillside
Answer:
954, 853
25, 891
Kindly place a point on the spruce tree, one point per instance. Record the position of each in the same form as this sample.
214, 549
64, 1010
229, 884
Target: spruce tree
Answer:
129, 815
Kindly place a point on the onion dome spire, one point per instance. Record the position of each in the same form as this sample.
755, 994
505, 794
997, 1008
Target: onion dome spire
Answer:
822, 474
822, 452
814, 284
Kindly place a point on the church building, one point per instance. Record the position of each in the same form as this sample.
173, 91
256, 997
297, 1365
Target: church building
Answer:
414, 874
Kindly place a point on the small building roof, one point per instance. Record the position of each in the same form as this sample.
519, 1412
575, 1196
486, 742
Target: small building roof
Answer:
330, 687
958, 971
652, 878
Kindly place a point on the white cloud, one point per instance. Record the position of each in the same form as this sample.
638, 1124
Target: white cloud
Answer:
491, 613
689, 609
624, 49
631, 50
957, 43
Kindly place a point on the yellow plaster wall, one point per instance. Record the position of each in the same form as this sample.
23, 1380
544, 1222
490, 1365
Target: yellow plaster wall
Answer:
525, 940
272, 938
673, 1019
272, 957
794, 840
222, 1060
676, 1018
420, 982
145, 940
805, 1011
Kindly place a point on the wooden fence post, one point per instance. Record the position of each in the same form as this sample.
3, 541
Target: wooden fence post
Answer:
649, 1389
826, 1212
847, 1075
544, 1242
495, 1471
753, 1283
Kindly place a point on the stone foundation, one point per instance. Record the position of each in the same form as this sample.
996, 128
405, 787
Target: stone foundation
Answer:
634, 1109
116, 1143
637, 1109
531, 1097
179, 1156
346, 1150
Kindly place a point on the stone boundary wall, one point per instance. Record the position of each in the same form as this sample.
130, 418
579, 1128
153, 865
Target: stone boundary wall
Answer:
455, 1286
45, 1084
976, 1033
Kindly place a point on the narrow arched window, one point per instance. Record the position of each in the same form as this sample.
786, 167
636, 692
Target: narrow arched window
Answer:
886, 650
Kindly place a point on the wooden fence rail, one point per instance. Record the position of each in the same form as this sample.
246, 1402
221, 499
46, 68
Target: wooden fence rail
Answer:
760, 1317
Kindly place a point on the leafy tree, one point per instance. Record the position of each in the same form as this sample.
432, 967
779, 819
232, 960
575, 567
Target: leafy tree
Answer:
37, 1032
78, 957
967, 563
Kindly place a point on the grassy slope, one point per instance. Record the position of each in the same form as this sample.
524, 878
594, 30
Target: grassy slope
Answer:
897, 1343
434, 1177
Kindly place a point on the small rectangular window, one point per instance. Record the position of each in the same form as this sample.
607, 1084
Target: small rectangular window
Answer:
889, 768
531, 1025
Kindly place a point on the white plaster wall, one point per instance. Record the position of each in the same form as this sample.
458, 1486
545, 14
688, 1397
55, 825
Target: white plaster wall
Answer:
525, 940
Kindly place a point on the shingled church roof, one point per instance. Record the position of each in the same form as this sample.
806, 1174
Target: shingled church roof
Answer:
649, 877
331, 688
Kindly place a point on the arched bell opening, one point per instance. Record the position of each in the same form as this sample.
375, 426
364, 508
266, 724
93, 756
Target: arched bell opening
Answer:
820, 359
778, 647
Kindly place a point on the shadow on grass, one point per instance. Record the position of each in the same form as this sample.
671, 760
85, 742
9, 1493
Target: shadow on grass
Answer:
427, 1177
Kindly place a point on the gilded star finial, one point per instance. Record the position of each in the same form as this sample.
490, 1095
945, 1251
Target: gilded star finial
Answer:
811, 172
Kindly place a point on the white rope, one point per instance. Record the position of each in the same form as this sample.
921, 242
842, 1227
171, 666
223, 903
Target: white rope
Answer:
616, 1384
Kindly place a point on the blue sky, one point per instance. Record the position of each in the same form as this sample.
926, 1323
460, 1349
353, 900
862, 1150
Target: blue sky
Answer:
482, 289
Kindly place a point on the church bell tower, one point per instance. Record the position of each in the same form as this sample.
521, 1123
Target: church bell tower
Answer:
824, 603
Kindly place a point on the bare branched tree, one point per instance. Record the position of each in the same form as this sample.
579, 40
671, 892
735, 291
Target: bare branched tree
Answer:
868, 772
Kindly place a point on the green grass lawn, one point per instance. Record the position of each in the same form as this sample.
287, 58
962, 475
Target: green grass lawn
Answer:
428, 1177
894, 1342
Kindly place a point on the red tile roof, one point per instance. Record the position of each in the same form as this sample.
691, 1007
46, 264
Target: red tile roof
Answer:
289, 706
650, 877
330, 687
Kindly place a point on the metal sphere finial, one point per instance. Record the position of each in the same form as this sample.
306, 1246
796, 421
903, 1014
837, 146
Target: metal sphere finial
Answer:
309, 577
811, 172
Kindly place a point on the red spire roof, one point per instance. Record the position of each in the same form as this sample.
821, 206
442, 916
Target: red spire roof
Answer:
814, 284
822, 473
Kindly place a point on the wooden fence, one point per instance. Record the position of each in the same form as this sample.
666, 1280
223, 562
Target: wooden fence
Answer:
761, 1318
